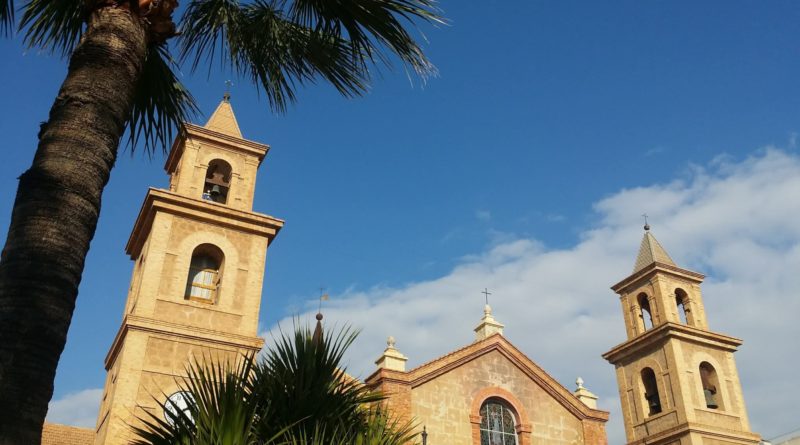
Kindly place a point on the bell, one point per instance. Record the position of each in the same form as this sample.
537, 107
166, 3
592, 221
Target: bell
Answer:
215, 191
711, 400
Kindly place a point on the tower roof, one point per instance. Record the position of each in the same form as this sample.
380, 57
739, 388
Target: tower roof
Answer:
651, 252
223, 120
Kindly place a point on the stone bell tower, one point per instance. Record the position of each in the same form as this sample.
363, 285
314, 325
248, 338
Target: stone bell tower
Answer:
677, 380
199, 253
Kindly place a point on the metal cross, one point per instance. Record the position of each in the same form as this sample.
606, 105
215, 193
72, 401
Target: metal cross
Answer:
486, 293
646, 225
228, 85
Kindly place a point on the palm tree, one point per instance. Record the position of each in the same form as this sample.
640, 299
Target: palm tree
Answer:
297, 394
120, 78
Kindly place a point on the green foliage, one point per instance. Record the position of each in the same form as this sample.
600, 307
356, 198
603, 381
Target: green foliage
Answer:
161, 101
297, 394
53, 25
279, 45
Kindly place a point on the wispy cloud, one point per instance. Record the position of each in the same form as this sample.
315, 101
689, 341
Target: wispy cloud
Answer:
654, 151
77, 408
483, 215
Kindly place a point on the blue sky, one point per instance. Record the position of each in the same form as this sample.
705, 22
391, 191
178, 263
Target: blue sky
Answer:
544, 116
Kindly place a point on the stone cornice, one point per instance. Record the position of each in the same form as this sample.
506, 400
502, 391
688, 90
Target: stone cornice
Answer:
442, 365
668, 436
660, 267
256, 149
669, 330
206, 211
146, 324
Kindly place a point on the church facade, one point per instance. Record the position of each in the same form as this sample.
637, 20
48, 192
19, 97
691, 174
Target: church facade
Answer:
199, 255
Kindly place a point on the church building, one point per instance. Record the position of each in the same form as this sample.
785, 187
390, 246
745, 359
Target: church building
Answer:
199, 253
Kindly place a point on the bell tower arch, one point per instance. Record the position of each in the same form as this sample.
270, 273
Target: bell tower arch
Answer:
199, 253
677, 379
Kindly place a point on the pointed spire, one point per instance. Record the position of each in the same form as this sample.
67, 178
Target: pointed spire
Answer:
316, 339
223, 120
651, 252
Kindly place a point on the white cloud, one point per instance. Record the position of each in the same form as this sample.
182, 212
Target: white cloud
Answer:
736, 221
77, 408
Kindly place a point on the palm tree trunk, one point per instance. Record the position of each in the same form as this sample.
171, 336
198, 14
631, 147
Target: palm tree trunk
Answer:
55, 214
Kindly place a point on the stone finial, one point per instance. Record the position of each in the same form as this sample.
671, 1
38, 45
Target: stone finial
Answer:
488, 325
392, 359
584, 395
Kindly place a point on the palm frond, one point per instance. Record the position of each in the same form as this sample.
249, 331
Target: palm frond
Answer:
161, 102
53, 25
309, 384
6, 16
281, 45
372, 26
219, 408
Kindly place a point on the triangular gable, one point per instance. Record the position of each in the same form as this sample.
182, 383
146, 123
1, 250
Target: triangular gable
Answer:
497, 342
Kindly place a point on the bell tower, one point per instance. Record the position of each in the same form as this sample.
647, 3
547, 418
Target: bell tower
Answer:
677, 379
199, 253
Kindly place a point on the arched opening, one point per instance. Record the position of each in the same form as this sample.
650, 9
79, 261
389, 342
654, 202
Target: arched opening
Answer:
205, 272
682, 300
645, 314
218, 181
708, 377
651, 396
498, 423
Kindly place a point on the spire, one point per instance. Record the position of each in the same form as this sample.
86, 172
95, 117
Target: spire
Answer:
316, 339
223, 120
651, 252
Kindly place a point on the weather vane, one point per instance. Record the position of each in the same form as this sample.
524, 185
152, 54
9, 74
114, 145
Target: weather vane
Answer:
322, 297
486, 293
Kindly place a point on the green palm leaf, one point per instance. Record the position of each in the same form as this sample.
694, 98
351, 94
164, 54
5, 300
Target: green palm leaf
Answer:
297, 394
161, 102
280, 45
6, 16
53, 25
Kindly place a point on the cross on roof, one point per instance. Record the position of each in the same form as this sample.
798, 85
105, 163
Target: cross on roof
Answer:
646, 225
486, 293
228, 85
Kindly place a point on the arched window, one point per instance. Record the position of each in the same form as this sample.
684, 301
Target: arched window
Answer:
682, 300
651, 396
644, 305
498, 423
708, 377
204, 273
218, 181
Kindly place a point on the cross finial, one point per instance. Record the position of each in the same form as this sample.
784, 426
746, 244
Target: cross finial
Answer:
646, 225
486, 294
227, 96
